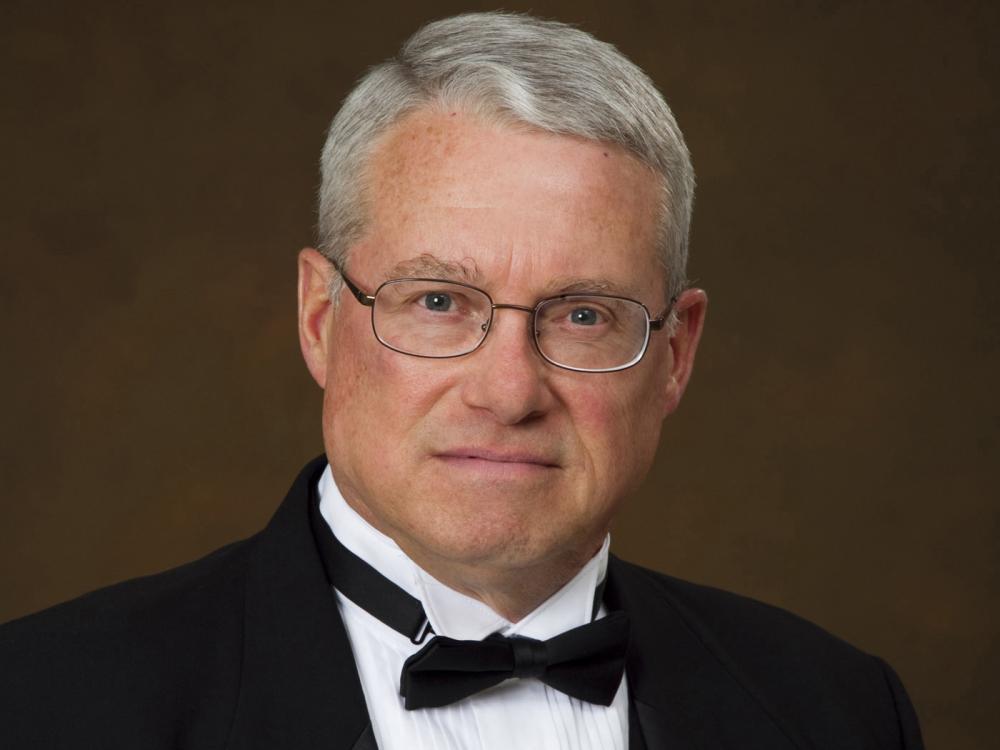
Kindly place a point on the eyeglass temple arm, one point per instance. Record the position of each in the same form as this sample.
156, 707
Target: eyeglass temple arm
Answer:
658, 323
360, 296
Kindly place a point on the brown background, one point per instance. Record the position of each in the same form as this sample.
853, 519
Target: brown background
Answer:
836, 454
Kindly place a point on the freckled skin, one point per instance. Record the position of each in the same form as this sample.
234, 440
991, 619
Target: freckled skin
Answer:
522, 207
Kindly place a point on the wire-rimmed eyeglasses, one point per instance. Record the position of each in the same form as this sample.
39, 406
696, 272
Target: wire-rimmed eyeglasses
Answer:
441, 319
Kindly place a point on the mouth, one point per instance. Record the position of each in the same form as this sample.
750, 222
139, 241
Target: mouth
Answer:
496, 462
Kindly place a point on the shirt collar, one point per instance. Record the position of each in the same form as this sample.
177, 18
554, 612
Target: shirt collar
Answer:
450, 612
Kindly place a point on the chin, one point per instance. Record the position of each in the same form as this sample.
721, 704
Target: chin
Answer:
454, 520
499, 545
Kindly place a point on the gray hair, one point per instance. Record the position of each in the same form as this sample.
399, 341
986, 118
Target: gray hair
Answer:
515, 69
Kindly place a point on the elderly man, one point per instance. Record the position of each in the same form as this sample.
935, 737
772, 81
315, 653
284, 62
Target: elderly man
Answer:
499, 319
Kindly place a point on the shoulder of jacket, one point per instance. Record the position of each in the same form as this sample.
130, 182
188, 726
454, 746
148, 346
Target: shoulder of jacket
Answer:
734, 618
145, 602
794, 666
134, 664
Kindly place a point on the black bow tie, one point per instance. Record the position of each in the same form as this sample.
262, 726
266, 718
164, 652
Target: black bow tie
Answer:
585, 663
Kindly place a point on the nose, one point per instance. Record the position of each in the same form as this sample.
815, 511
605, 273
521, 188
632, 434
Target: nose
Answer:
506, 376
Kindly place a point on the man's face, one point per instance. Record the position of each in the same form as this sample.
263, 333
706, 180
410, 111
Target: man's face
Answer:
496, 460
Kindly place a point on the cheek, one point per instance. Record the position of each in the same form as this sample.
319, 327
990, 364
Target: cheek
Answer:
619, 406
619, 425
348, 382
375, 396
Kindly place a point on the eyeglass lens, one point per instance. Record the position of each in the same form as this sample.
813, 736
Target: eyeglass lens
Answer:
443, 319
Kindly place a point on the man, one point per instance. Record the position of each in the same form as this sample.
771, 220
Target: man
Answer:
498, 317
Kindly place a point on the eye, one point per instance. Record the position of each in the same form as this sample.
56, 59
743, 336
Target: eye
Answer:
437, 301
584, 316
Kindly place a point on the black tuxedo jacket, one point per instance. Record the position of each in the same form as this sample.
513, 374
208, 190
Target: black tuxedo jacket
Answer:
245, 649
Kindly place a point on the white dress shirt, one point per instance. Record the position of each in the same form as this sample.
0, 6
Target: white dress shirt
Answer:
522, 714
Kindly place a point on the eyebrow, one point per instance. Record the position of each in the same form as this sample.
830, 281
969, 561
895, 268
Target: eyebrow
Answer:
582, 285
430, 265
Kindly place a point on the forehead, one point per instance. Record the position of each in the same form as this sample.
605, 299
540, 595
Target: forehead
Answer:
489, 198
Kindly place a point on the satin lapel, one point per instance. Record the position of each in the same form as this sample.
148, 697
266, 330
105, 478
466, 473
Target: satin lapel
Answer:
299, 685
684, 694
635, 739
366, 741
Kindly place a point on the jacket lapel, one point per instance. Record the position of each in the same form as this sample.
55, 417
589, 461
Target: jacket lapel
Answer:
299, 684
684, 693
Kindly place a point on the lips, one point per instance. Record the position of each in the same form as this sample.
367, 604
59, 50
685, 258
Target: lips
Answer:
498, 456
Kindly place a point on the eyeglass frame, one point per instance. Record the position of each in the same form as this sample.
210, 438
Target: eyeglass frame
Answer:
368, 300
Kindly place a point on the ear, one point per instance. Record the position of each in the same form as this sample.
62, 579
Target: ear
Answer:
690, 309
315, 309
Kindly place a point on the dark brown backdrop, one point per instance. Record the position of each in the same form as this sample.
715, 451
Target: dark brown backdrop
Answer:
835, 455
